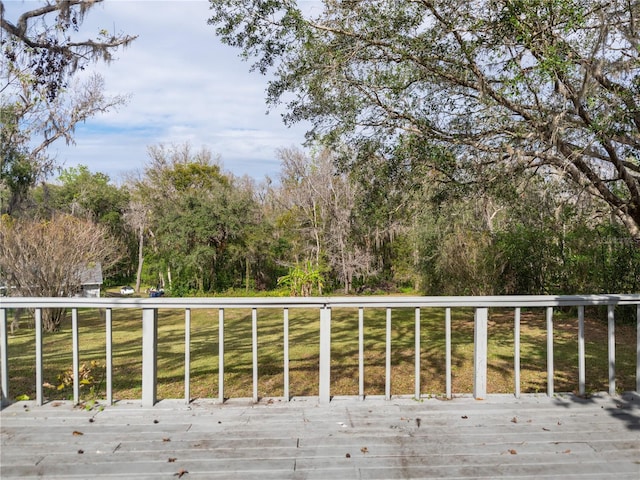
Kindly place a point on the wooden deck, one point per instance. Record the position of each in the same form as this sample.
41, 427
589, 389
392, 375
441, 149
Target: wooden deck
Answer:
501, 437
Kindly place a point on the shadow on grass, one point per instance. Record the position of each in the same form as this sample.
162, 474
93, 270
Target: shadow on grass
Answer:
304, 353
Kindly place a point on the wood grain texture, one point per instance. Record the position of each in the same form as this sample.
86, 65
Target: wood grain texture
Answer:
500, 437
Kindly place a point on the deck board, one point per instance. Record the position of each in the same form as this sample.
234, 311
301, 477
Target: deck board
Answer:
501, 437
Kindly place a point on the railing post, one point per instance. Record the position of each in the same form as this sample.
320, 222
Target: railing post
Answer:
550, 369
221, 355
387, 363
285, 319
447, 348
4, 353
325, 355
361, 353
516, 352
108, 325
76, 356
38, 320
149, 356
417, 355
254, 352
582, 376
480, 354
612, 348
187, 356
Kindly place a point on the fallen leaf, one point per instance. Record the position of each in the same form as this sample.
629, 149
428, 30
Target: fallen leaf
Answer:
180, 473
546, 429
56, 404
464, 417
48, 385
567, 451
418, 422
513, 452
80, 451
172, 459
514, 420
364, 450
166, 439
348, 455
77, 433
156, 421
91, 420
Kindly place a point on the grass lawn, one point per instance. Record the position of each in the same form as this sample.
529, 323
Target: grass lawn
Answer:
304, 351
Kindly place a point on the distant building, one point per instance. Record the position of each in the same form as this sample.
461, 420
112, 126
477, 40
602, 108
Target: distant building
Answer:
91, 281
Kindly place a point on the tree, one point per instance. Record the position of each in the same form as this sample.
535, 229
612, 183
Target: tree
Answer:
320, 202
137, 219
504, 85
92, 196
40, 101
41, 44
260, 246
17, 173
197, 217
48, 258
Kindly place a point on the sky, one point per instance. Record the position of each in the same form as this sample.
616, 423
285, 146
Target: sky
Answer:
184, 86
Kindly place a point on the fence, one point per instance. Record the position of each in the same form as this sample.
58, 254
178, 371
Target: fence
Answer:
324, 305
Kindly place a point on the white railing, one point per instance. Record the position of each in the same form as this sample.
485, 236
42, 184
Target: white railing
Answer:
324, 305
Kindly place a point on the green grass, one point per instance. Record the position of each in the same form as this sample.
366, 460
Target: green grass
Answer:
304, 352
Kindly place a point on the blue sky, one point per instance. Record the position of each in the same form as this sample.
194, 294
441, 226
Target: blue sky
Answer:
185, 86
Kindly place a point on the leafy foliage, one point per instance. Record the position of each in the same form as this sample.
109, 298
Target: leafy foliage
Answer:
199, 221
41, 101
502, 85
40, 44
301, 280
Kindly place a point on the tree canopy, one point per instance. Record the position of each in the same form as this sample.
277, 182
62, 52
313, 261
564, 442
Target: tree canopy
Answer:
41, 101
198, 218
42, 44
505, 86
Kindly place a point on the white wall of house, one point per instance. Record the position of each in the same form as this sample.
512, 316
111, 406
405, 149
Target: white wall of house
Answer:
90, 291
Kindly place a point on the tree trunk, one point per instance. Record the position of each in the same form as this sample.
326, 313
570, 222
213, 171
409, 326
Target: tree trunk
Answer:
247, 273
52, 318
140, 259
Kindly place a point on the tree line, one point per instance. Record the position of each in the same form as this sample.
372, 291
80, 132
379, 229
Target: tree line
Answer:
185, 225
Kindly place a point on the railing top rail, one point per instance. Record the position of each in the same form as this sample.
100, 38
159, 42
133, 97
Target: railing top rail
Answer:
507, 301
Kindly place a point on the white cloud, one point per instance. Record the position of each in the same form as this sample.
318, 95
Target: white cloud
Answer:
185, 86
